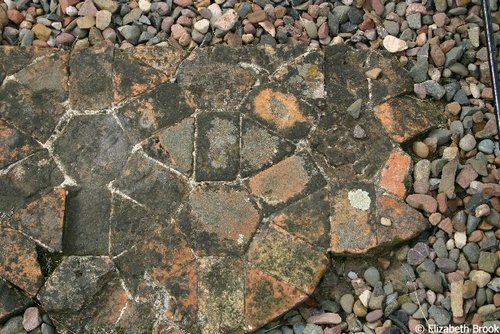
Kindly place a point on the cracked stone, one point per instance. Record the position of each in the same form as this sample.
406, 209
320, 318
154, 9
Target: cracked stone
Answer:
290, 179
353, 221
13, 300
142, 177
43, 219
221, 294
260, 148
33, 102
307, 219
217, 147
14, 145
226, 230
132, 78
84, 294
93, 148
279, 110
153, 110
287, 258
174, 146
164, 58
35, 175
18, 261
91, 78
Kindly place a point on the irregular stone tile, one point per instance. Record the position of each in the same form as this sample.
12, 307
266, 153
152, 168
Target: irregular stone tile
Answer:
174, 146
129, 224
345, 157
86, 229
267, 298
33, 101
14, 58
13, 300
157, 304
277, 108
406, 222
219, 220
260, 148
307, 219
157, 257
35, 175
132, 77
286, 181
18, 261
395, 175
91, 78
287, 258
304, 76
221, 289
93, 148
14, 145
217, 146
353, 228
84, 295
163, 106
345, 79
149, 183
393, 80
215, 70
164, 58
405, 117
43, 219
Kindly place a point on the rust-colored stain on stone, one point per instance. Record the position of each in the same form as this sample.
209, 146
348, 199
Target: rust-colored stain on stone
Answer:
352, 231
14, 145
266, 297
43, 219
18, 261
281, 182
281, 109
395, 172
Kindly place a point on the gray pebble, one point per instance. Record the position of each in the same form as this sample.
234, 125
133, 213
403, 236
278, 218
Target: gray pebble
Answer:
47, 329
372, 276
440, 315
486, 146
467, 143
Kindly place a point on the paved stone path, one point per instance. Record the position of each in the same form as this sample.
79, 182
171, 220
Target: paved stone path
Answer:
151, 190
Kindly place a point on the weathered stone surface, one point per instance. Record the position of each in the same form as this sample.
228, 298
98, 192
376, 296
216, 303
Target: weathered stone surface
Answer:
288, 180
132, 77
217, 143
84, 294
14, 145
266, 298
215, 70
14, 58
287, 258
43, 219
91, 78
33, 101
406, 222
405, 117
395, 174
260, 148
225, 230
280, 110
174, 146
158, 108
165, 58
93, 148
353, 219
18, 261
13, 300
152, 185
221, 294
86, 228
307, 219
37, 174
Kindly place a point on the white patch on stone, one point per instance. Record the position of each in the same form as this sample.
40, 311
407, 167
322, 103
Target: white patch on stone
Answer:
241, 239
359, 199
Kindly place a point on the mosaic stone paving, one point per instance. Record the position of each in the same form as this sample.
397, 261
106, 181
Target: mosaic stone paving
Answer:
154, 191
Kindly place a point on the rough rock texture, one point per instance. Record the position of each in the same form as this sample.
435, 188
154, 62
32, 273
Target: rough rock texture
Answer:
204, 204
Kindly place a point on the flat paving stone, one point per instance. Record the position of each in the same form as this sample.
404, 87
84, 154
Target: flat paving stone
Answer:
13, 300
148, 190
